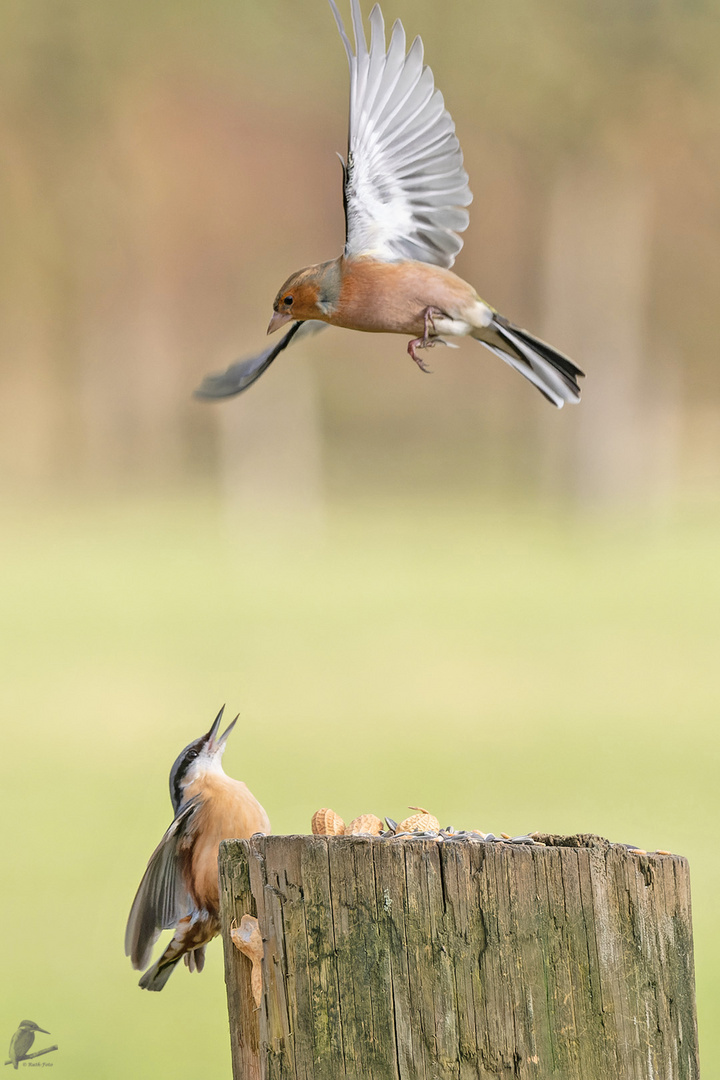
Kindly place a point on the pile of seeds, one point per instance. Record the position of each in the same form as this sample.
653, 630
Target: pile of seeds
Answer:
421, 825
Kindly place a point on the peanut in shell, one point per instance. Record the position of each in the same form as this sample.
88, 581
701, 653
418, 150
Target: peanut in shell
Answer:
422, 821
367, 824
326, 822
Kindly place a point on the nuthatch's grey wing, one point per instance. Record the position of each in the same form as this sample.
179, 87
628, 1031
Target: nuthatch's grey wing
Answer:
405, 185
245, 372
162, 898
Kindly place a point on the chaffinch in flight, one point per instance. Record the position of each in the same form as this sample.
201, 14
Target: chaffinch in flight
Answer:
405, 193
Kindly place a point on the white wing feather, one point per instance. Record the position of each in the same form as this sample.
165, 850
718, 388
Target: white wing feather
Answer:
405, 185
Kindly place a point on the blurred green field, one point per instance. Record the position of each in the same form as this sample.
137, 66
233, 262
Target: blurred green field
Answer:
511, 670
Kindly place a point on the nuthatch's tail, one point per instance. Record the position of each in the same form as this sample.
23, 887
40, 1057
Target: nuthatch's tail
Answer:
156, 976
553, 374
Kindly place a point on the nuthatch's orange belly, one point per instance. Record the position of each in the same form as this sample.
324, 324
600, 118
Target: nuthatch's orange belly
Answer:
228, 809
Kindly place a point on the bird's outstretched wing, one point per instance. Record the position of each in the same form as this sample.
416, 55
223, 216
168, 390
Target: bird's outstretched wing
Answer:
244, 373
162, 898
405, 185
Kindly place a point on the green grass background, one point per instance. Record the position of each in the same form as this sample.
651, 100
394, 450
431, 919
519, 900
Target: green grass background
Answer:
510, 669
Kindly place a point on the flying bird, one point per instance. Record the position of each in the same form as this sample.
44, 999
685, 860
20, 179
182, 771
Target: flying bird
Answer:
179, 889
405, 193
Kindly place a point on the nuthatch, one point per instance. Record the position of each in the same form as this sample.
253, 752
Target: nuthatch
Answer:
179, 889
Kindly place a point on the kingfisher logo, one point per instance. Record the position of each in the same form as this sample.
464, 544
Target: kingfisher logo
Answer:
21, 1052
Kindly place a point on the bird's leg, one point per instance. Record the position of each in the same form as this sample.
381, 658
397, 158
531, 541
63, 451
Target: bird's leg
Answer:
418, 359
424, 342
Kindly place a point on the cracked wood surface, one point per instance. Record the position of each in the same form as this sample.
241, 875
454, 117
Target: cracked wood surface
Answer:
417, 960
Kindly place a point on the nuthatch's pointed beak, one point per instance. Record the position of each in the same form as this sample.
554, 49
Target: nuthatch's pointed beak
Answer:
212, 733
214, 743
223, 738
279, 319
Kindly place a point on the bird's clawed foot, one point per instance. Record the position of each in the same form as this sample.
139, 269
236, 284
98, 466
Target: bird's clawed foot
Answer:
420, 343
424, 342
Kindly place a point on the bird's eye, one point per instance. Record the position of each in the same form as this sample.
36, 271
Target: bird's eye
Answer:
192, 754
288, 300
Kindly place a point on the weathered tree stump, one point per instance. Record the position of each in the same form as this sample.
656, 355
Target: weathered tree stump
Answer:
416, 960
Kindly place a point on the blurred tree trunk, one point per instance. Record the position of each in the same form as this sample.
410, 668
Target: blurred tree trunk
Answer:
618, 445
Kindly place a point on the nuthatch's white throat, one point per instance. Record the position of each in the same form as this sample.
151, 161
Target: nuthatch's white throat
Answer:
179, 889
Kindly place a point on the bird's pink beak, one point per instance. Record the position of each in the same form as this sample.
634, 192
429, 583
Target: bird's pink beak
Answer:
279, 319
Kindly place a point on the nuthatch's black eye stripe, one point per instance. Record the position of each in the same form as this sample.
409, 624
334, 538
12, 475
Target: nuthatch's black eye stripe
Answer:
178, 774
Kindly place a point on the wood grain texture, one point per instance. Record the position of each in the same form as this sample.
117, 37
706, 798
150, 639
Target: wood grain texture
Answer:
236, 895
416, 960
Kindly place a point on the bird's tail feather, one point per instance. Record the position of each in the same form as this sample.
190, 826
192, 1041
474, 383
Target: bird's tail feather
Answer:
554, 374
195, 959
156, 976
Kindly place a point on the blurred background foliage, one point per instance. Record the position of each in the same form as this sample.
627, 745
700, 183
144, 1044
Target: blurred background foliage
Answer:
432, 590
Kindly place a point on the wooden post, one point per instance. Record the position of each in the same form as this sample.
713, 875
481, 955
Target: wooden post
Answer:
397, 959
